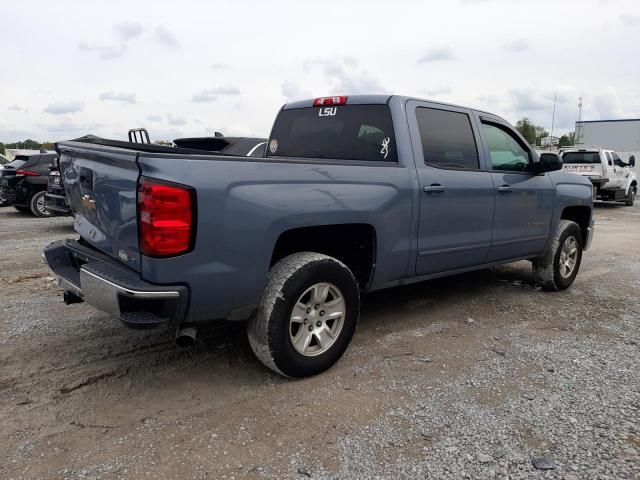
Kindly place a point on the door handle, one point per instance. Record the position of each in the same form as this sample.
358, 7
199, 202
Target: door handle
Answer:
435, 188
505, 189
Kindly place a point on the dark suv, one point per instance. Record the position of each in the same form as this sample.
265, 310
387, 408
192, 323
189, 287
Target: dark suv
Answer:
23, 183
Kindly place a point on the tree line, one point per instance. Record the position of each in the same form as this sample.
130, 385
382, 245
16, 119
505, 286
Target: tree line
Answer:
535, 133
26, 145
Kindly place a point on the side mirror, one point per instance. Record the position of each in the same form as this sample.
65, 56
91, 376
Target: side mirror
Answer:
632, 161
550, 162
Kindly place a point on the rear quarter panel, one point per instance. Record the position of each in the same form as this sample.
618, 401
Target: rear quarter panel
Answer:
243, 206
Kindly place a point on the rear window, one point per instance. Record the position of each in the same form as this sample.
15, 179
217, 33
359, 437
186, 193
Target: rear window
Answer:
17, 163
349, 132
581, 157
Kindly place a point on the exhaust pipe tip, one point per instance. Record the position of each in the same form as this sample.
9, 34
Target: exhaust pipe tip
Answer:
70, 298
186, 337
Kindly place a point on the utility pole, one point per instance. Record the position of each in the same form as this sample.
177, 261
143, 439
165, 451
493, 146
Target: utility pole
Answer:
576, 135
553, 119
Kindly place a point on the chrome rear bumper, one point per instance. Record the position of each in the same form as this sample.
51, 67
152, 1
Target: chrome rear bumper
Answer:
113, 288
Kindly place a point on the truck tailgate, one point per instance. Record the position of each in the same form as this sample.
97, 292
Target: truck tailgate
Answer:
101, 185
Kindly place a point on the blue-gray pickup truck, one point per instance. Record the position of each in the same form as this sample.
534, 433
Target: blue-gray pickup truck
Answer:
353, 194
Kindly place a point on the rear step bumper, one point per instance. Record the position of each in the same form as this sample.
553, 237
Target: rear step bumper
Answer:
113, 288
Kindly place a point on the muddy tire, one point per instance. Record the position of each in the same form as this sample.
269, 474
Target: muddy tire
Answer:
307, 316
631, 196
37, 205
558, 267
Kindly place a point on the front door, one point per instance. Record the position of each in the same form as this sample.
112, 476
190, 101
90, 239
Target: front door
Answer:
524, 199
456, 193
619, 171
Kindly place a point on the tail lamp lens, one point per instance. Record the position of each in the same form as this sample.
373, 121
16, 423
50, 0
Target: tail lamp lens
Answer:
27, 173
165, 218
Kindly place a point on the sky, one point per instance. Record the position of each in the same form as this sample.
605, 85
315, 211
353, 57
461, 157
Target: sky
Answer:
189, 68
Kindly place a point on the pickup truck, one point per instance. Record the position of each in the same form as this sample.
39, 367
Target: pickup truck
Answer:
612, 178
355, 194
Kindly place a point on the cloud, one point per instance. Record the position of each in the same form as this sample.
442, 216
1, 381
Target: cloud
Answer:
520, 45
344, 77
437, 54
62, 107
529, 99
105, 52
128, 30
176, 120
219, 66
630, 19
211, 94
607, 105
65, 127
154, 118
204, 96
292, 91
165, 37
118, 97
441, 90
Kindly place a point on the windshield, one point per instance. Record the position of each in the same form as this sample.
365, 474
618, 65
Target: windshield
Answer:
581, 157
349, 132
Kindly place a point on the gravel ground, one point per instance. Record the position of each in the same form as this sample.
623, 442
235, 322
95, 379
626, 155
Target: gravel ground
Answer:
476, 376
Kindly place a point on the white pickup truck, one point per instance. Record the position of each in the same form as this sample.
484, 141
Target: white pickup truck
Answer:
612, 178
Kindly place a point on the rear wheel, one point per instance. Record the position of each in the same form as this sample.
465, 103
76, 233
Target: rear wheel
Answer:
307, 316
37, 205
558, 267
631, 195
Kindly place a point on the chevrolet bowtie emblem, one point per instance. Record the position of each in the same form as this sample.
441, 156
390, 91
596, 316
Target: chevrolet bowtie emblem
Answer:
88, 202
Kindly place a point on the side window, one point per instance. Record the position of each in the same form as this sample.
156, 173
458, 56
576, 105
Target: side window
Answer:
609, 161
506, 150
617, 160
447, 139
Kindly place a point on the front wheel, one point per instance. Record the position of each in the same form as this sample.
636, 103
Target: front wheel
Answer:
631, 195
307, 316
37, 205
558, 267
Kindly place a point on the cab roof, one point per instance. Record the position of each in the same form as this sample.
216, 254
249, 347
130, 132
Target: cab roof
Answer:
379, 99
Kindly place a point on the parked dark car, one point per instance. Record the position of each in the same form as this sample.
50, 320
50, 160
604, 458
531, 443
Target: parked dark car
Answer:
23, 183
3, 160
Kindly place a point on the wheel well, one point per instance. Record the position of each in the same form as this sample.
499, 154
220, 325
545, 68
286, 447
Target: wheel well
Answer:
580, 215
353, 244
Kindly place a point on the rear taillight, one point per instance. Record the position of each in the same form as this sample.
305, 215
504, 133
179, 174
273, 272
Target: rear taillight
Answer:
165, 218
329, 101
27, 173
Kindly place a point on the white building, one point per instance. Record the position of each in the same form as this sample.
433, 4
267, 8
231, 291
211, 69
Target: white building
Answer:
549, 141
12, 153
623, 136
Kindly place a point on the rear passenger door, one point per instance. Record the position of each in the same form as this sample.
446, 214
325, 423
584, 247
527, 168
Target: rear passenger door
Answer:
523, 198
456, 197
